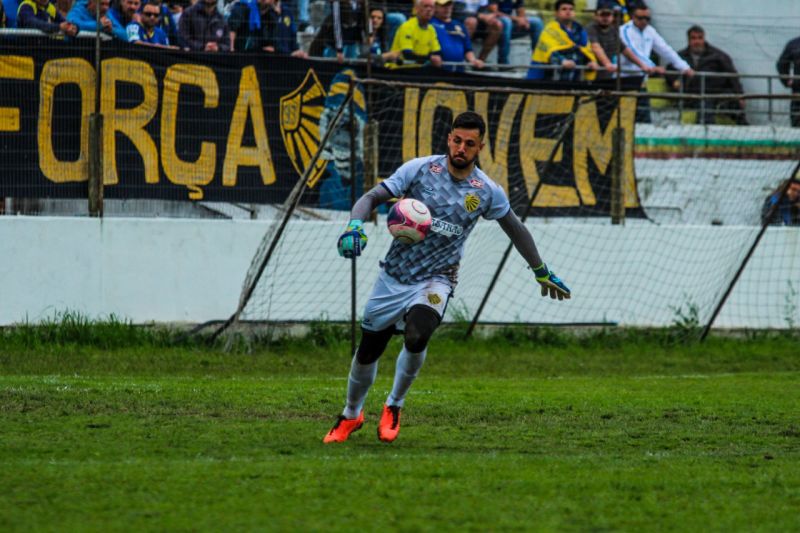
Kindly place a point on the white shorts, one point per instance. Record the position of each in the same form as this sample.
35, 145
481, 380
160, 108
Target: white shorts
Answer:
390, 300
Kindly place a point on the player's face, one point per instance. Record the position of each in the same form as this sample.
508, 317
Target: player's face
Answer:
464, 146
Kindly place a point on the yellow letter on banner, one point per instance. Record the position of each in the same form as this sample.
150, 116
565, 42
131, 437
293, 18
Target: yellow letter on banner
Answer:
236, 155
200, 172
533, 149
128, 121
54, 73
454, 100
410, 105
495, 162
15, 68
590, 140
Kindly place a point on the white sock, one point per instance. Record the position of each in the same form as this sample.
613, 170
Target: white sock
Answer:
360, 380
406, 370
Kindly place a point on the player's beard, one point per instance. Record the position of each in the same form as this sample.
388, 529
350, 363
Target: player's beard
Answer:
460, 164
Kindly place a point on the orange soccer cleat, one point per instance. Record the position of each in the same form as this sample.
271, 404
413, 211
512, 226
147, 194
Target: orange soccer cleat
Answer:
389, 426
343, 428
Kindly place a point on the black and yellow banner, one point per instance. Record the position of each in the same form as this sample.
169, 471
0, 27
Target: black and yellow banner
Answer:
243, 128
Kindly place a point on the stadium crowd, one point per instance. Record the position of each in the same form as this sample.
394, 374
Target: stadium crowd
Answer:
619, 41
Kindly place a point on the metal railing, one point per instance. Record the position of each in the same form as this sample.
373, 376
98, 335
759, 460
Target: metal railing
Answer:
762, 101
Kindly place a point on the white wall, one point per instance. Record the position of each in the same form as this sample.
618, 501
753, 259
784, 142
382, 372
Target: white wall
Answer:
141, 269
191, 271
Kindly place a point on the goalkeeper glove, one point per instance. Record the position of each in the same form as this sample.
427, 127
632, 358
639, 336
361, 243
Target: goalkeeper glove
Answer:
550, 283
353, 240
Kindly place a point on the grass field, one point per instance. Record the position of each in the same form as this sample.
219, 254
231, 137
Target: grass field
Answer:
121, 430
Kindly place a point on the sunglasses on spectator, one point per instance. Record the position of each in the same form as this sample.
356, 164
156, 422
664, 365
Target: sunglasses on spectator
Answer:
146, 14
642, 18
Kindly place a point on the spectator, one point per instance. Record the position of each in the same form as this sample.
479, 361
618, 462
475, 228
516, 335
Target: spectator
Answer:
9, 9
341, 34
176, 10
480, 23
702, 57
42, 15
300, 12
83, 15
787, 211
202, 27
563, 42
167, 22
623, 7
264, 25
604, 37
643, 39
147, 30
63, 7
453, 38
415, 42
3, 20
377, 41
126, 12
789, 65
516, 23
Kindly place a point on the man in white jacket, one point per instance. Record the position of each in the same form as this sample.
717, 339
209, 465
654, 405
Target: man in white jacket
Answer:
642, 39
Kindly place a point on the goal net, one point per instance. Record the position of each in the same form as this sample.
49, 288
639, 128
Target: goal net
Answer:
649, 224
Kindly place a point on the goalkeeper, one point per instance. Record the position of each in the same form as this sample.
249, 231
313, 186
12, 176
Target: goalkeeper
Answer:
416, 281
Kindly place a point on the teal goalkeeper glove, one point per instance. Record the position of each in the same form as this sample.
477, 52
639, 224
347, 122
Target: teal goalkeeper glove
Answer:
353, 240
550, 283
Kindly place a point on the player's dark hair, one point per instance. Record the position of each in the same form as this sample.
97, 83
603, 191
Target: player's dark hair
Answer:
695, 29
469, 120
560, 3
636, 6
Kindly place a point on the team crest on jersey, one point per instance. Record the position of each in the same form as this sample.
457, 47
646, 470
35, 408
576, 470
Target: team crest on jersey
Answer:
434, 299
436, 169
477, 183
471, 202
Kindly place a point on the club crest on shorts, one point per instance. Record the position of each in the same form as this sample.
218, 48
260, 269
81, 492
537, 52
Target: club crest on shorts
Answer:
436, 169
471, 202
475, 182
434, 299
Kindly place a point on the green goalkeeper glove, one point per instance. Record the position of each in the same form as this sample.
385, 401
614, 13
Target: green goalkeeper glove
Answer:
550, 283
353, 240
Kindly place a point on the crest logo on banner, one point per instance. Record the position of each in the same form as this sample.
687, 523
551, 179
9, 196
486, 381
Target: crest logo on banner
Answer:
300, 113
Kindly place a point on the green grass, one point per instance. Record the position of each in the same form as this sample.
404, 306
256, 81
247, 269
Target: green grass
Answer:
525, 431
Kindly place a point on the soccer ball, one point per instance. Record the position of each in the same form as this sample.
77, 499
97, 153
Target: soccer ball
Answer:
409, 221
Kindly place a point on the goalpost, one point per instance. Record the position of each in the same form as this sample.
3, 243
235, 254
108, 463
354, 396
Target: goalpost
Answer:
663, 240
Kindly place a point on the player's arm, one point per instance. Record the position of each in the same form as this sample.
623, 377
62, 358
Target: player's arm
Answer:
523, 242
353, 240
